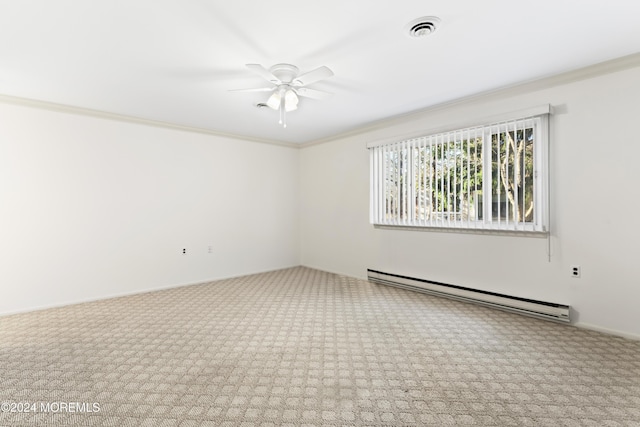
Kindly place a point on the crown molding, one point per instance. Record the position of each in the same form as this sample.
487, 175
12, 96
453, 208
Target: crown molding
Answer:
7, 99
600, 69
603, 68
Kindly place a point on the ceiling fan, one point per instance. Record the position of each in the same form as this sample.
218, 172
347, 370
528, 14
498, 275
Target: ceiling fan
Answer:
288, 85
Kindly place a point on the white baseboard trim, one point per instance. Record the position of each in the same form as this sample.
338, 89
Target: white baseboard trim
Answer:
339, 273
622, 334
627, 335
136, 292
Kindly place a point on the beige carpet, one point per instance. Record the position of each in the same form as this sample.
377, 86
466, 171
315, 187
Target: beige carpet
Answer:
300, 347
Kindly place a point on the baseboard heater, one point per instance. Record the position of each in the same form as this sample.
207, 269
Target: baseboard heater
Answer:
541, 309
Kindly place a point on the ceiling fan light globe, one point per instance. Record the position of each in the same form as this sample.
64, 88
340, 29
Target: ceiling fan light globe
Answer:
274, 100
290, 107
290, 100
290, 97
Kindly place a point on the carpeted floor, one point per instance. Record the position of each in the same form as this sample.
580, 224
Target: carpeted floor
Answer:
301, 347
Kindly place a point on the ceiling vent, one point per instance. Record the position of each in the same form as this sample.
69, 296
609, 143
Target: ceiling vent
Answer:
422, 27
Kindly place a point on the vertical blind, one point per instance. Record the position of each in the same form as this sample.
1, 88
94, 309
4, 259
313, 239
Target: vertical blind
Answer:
483, 177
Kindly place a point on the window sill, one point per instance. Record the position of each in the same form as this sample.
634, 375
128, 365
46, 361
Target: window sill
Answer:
462, 230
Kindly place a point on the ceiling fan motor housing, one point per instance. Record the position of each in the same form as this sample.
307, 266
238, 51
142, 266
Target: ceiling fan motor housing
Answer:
285, 72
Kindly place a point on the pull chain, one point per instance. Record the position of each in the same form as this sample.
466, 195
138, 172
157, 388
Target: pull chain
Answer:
284, 116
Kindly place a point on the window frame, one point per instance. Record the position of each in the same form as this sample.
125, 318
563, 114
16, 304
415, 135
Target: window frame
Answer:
539, 117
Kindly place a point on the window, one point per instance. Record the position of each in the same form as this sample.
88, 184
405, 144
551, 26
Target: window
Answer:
491, 177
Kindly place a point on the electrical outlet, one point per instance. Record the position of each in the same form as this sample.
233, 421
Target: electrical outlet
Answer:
184, 251
210, 249
575, 271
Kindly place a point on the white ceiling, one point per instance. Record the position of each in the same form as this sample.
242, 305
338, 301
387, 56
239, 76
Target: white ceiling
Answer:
176, 60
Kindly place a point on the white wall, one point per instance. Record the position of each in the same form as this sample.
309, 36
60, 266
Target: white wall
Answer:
595, 197
91, 208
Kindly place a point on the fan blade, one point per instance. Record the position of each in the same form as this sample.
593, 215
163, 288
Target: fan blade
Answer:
264, 73
312, 93
313, 76
260, 89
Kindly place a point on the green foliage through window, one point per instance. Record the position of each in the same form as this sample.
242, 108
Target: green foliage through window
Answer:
483, 177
